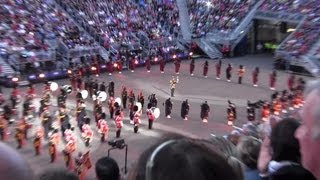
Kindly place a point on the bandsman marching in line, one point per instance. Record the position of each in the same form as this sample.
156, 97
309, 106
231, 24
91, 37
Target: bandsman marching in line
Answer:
153, 100
241, 72
168, 108
273, 79
132, 65
291, 82
218, 69
136, 118
124, 97
185, 107
205, 69
20, 137
177, 63
150, 115
3, 127
120, 66
87, 132
148, 64
173, 83
232, 113
110, 67
37, 142
111, 102
162, 63
103, 128
205, 109
118, 120
83, 164
284, 101
52, 151
265, 112
141, 99
192, 66
229, 72
255, 76
67, 154
111, 89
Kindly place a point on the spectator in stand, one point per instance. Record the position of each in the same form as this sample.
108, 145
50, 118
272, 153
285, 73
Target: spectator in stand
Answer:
280, 155
12, 165
308, 133
248, 149
57, 174
182, 158
107, 169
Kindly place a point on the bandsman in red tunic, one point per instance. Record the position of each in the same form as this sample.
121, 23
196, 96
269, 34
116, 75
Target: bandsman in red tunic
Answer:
120, 66
273, 79
177, 63
291, 82
52, 151
265, 112
255, 76
205, 69
87, 133
218, 69
67, 154
31, 92
162, 64
37, 142
133, 63
110, 67
150, 115
192, 65
136, 118
103, 128
118, 120
3, 128
148, 64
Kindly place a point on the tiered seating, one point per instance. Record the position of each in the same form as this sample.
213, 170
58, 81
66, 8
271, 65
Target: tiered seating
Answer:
113, 24
223, 16
308, 34
28, 24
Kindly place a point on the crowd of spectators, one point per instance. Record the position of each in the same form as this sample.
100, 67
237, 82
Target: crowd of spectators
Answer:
28, 26
114, 24
308, 34
223, 16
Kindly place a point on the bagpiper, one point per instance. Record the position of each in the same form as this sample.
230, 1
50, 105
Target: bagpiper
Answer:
241, 72
218, 69
185, 109
255, 75
265, 112
205, 69
148, 64
168, 108
162, 64
103, 128
229, 72
273, 79
177, 63
3, 127
37, 142
67, 154
291, 82
192, 65
205, 109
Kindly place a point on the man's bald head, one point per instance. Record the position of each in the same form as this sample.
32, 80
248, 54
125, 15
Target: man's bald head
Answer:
12, 165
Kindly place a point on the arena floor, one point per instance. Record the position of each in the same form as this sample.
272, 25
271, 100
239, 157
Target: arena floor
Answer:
196, 89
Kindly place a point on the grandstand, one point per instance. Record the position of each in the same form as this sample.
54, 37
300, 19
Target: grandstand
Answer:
41, 36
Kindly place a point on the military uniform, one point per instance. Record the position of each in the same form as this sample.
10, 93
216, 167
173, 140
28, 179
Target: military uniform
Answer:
37, 145
173, 83
241, 72
168, 108
185, 107
52, 151
141, 99
192, 65
218, 69
119, 123
124, 97
205, 69
273, 79
205, 109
